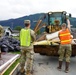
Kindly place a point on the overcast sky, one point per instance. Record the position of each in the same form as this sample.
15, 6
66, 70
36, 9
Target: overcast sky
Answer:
19, 8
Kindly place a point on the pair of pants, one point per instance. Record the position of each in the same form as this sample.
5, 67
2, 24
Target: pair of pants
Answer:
26, 60
0, 50
65, 51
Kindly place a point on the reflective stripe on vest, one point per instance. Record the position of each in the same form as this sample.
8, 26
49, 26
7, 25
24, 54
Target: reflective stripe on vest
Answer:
25, 37
65, 36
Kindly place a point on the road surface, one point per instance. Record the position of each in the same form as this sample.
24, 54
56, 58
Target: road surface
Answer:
47, 65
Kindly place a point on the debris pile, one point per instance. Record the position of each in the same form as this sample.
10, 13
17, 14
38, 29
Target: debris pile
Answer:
9, 44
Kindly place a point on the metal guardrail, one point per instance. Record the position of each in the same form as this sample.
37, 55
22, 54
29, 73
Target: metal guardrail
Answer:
4, 67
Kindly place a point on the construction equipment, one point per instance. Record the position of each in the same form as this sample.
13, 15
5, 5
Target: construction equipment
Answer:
39, 25
50, 46
55, 20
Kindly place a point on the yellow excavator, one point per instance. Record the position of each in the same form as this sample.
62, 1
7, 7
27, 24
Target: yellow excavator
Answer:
50, 47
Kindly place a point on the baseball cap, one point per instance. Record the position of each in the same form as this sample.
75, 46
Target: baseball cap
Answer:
63, 25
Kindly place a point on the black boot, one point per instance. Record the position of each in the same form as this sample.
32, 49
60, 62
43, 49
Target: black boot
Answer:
67, 67
60, 66
21, 71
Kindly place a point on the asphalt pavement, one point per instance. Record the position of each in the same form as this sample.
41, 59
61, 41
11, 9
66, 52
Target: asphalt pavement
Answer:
47, 65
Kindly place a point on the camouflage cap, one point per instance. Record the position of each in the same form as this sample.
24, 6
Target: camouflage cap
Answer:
1, 26
63, 25
26, 21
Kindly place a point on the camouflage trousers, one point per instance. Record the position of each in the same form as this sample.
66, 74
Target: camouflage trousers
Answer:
0, 53
26, 60
65, 51
0, 47
0, 50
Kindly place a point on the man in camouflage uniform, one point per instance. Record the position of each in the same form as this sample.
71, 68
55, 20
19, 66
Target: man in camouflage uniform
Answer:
1, 34
27, 37
65, 49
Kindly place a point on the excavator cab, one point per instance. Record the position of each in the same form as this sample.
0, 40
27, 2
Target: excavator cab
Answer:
55, 20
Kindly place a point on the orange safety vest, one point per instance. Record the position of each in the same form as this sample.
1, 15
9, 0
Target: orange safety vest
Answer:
65, 36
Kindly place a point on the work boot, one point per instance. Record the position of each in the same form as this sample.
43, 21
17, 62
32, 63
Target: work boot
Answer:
60, 66
67, 67
21, 71
28, 74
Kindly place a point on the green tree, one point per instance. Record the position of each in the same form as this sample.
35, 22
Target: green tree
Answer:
18, 28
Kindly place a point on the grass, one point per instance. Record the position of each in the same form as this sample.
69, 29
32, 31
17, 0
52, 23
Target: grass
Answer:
16, 37
8, 71
16, 52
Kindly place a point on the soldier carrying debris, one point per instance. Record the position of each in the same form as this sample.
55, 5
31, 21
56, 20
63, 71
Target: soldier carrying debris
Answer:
1, 34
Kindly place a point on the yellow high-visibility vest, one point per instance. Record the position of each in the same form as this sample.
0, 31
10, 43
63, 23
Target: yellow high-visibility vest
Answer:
25, 37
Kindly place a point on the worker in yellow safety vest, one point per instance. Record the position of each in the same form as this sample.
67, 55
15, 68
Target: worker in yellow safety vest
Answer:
27, 36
